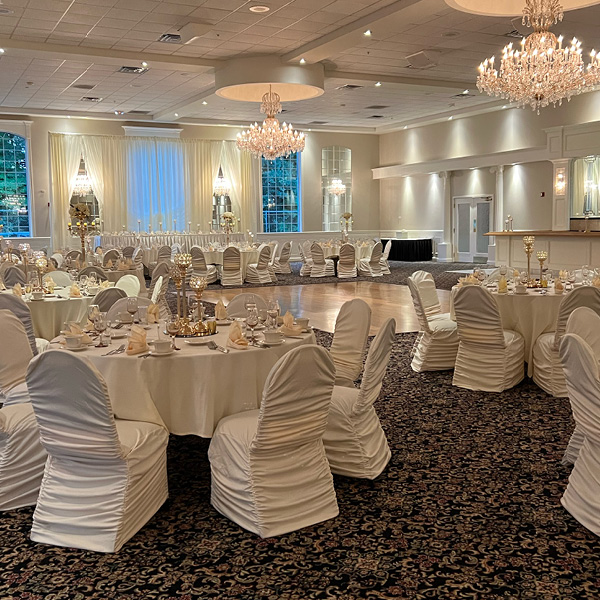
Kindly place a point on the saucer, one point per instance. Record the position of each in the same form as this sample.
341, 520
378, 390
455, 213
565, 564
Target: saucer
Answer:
117, 334
36, 299
224, 322
155, 353
198, 341
267, 344
78, 349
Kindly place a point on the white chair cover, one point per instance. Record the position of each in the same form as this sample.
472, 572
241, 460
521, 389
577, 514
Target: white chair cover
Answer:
120, 306
59, 258
347, 263
271, 265
231, 271
259, 271
161, 271
130, 284
281, 264
60, 278
354, 440
349, 340
268, 466
306, 262
22, 457
98, 271
73, 255
371, 267
199, 266
15, 354
13, 275
383, 261
113, 255
489, 358
237, 305
128, 251
437, 342
157, 290
547, 370
106, 298
104, 479
175, 249
321, 267
582, 496
22, 312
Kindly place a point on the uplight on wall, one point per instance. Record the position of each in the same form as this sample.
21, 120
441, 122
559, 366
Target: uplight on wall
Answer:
560, 184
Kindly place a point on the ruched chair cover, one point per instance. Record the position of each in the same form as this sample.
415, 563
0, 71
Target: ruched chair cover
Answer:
281, 263
120, 306
15, 354
582, 496
137, 257
161, 272
104, 478
106, 298
130, 284
22, 457
489, 358
164, 255
199, 266
349, 340
371, 267
73, 255
22, 312
111, 255
383, 261
306, 259
355, 443
237, 305
97, 271
321, 267
175, 249
259, 271
60, 278
231, 271
547, 370
437, 341
269, 471
347, 264
271, 265
13, 275
495, 274
128, 251
59, 258
585, 323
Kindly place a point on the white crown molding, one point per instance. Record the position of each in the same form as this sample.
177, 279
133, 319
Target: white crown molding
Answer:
149, 131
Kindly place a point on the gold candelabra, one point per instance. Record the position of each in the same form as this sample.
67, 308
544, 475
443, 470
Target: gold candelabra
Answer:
182, 263
41, 264
345, 222
542, 255
198, 284
82, 229
528, 242
227, 225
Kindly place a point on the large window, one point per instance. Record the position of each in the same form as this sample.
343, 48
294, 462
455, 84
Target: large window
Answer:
14, 206
281, 194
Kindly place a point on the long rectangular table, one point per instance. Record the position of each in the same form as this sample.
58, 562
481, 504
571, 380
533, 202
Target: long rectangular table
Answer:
412, 250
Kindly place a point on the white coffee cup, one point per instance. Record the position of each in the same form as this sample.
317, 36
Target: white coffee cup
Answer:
520, 288
73, 341
162, 345
272, 337
93, 290
37, 295
302, 322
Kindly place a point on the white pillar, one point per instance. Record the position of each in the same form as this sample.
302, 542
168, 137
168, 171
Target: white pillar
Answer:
561, 208
445, 251
497, 223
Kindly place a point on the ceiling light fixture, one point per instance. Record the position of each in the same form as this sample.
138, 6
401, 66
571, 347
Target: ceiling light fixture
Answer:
378, 84
368, 33
176, 114
83, 185
144, 64
259, 8
221, 187
302, 61
271, 141
542, 72
204, 102
336, 187
1, 50
465, 92
450, 118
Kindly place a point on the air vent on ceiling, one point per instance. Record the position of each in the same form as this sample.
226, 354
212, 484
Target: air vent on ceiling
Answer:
91, 99
376, 107
170, 38
514, 34
349, 86
84, 86
6, 11
132, 70
420, 60
375, 117
464, 96
138, 112
318, 123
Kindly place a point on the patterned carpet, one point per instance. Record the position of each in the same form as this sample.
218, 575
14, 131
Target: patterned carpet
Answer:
467, 508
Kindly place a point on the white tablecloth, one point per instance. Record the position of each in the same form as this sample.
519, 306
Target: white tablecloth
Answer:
192, 389
247, 257
530, 314
362, 251
50, 314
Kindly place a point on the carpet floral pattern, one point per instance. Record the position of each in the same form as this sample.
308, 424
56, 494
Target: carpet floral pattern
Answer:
469, 507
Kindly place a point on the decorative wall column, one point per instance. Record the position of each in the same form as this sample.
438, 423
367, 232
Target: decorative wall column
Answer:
498, 220
561, 206
445, 249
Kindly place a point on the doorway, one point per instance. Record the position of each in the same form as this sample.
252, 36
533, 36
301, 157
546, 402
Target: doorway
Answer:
472, 220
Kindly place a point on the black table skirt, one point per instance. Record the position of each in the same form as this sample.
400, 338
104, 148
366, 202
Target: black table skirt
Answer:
410, 250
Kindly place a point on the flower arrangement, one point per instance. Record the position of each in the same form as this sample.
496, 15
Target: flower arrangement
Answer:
347, 216
228, 216
80, 212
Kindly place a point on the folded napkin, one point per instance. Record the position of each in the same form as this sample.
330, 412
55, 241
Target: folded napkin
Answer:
137, 340
516, 273
109, 264
17, 290
153, 313
502, 285
89, 326
236, 338
49, 282
74, 291
122, 266
104, 284
596, 282
75, 329
563, 274
220, 311
468, 280
288, 328
558, 285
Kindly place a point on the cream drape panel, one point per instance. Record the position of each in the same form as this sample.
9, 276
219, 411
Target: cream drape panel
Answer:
582, 171
65, 156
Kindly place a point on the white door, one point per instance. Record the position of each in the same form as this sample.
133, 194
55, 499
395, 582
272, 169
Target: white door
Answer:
472, 219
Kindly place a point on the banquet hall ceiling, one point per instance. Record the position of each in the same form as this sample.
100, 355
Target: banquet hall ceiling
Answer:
58, 52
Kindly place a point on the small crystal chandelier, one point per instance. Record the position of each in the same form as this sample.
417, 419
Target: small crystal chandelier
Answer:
271, 141
542, 72
83, 185
221, 187
337, 187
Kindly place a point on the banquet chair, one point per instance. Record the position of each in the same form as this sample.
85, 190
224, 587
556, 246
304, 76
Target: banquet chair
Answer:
547, 370
60, 278
271, 265
281, 263
175, 249
199, 266
494, 275
15, 354
106, 298
105, 477
22, 312
349, 340
13, 275
371, 266
127, 252
237, 305
137, 257
161, 273
112, 255
97, 271
307, 261
59, 258
355, 443
582, 496
269, 472
383, 261
164, 255
489, 358
347, 263
231, 271
73, 255
120, 306
259, 271
437, 341
130, 284
321, 267
585, 323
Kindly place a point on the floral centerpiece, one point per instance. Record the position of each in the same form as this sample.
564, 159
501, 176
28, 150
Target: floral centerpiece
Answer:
346, 221
228, 224
80, 214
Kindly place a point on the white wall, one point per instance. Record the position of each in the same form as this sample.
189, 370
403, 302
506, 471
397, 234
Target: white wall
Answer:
475, 182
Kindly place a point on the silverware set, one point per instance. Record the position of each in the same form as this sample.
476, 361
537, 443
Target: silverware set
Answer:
213, 346
118, 350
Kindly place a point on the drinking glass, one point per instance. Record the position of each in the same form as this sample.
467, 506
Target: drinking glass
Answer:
272, 313
252, 322
100, 325
143, 315
93, 310
173, 328
132, 306
585, 274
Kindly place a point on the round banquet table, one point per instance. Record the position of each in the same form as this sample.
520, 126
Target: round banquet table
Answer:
529, 314
191, 390
247, 257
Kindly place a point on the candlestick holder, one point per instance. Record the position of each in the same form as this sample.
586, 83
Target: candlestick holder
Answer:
175, 275
41, 264
83, 226
183, 261
345, 222
528, 243
198, 284
542, 255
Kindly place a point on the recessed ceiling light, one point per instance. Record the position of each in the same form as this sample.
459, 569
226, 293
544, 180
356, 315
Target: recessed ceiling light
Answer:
1, 50
310, 129
6, 11
378, 84
204, 102
176, 114
450, 118
505, 106
302, 61
465, 92
405, 127
119, 112
259, 8
368, 33
144, 64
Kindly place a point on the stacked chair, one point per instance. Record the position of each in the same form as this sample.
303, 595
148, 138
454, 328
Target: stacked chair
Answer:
259, 271
230, 272
281, 263
371, 267
199, 266
383, 261
347, 263
321, 267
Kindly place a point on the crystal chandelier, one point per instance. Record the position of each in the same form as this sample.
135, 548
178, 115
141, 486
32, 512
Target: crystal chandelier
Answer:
337, 187
221, 187
542, 72
270, 140
83, 186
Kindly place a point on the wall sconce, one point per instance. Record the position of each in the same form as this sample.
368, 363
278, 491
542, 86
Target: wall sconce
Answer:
560, 183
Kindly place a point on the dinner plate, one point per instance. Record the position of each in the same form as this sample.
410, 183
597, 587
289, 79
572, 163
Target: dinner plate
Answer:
267, 344
117, 334
155, 353
224, 322
199, 341
79, 349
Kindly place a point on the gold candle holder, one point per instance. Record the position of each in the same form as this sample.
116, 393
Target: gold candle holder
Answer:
176, 277
198, 284
41, 264
183, 261
528, 243
542, 255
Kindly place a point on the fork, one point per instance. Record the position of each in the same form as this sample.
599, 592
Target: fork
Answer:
118, 350
213, 346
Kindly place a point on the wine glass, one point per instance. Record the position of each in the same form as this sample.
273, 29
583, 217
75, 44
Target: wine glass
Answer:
585, 274
173, 327
272, 313
252, 322
132, 306
100, 325
93, 310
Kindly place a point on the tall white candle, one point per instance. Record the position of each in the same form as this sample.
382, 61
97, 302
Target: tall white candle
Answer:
139, 226
174, 224
189, 227
160, 225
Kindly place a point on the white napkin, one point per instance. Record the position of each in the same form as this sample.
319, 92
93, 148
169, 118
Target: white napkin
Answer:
220, 311
104, 284
288, 328
89, 326
75, 329
74, 291
17, 290
109, 264
558, 286
153, 313
236, 338
137, 340
502, 285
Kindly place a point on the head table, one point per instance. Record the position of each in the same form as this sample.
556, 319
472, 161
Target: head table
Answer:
190, 390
